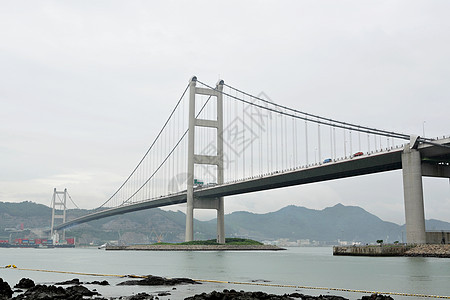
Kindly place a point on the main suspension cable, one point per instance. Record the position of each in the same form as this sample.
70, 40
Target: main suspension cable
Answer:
151, 146
343, 125
72, 200
166, 158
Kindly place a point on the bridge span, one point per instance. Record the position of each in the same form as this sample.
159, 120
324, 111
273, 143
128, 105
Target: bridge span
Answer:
232, 142
435, 162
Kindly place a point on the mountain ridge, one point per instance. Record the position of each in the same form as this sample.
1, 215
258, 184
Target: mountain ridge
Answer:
327, 226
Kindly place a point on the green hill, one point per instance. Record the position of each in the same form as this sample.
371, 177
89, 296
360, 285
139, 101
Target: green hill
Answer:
348, 223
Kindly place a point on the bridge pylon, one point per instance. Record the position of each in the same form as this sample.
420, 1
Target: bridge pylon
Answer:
413, 196
193, 159
58, 212
414, 167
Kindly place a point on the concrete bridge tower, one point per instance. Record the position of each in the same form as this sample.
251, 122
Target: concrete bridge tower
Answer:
58, 212
217, 160
413, 194
414, 167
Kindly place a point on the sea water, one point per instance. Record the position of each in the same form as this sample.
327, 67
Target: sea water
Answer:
303, 267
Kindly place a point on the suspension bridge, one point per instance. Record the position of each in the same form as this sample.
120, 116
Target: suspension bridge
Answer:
220, 141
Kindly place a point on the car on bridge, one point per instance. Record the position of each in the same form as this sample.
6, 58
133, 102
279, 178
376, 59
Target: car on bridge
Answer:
358, 154
328, 160
198, 183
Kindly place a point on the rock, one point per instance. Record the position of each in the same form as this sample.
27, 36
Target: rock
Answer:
70, 282
47, 292
335, 298
43, 292
376, 297
242, 295
104, 282
5, 290
156, 280
76, 281
80, 290
429, 250
25, 283
141, 296
232, 294
260, 280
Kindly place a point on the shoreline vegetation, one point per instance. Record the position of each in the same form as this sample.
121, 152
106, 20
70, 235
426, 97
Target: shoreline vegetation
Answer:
231, 244
228, 241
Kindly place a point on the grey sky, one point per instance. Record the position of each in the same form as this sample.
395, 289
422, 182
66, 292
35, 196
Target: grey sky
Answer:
85, 86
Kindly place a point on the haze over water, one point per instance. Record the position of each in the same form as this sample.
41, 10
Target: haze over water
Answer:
312, 267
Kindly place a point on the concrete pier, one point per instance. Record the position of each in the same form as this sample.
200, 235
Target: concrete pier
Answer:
413, 196
422, 250
372, 250
196, 248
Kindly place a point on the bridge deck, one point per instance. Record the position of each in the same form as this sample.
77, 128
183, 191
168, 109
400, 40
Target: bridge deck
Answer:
363, 165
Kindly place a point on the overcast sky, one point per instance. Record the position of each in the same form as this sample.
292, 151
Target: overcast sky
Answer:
86, 85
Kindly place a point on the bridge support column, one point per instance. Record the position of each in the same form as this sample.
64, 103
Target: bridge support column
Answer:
220, 165
193, 158
190, 178
221, 222
58, 212
413, 196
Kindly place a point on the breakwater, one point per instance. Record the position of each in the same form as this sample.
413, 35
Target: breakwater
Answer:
372, 250
430, 251
197, 248
425, 250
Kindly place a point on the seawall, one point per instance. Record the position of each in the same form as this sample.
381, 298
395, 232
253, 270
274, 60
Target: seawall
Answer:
372, 250
196, 248
430, 251
425, 250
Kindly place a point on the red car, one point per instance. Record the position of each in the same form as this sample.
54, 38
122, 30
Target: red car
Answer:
358, 154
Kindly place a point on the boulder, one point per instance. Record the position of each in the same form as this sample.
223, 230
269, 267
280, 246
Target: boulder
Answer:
242, 295
232, 294
25, 283
43, 292
104, 282
156, 280
5, 290
141, 296
79, 290
376, 297
47, 292
70, 282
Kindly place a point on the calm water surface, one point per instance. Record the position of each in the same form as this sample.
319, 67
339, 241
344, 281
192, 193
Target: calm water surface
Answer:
315, 267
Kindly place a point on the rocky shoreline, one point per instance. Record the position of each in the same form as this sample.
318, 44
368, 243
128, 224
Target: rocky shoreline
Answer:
197, 248
241, 295
430, 250
26, 289
424, 250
